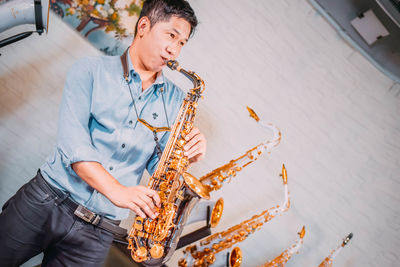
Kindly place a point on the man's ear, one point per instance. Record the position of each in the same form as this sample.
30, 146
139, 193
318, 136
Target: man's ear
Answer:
143, 26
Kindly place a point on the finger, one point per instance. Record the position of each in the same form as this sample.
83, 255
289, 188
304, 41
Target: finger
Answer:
192, 133
144, 207
148, 201
200, 147
194, 159
196, 139
196, 152
137, 210
153, 194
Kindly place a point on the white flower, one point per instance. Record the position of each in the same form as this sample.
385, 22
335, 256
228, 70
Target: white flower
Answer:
110, 11
103, 13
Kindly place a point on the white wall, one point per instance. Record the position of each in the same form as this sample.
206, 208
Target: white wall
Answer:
337, 113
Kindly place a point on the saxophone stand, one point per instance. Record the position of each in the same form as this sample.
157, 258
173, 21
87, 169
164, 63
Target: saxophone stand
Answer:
198, 234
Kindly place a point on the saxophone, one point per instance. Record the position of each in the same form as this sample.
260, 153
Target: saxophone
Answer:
328, 261
205, 253
285, 256
154, 240
213, 180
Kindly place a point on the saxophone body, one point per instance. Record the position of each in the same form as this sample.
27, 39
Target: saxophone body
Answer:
206, 252
285, 256
328, 261
215, 179
154, 240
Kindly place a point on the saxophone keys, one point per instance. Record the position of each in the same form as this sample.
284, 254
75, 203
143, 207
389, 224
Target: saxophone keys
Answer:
162, 196
149, 226
156, 251
139, 255
138, 223
210, 259
182, 263
163, 186
215, 246
181, 142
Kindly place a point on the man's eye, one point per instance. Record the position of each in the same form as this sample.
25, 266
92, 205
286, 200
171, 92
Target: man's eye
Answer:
172, 35
182, 43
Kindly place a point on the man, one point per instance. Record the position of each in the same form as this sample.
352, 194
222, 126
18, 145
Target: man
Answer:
71, 209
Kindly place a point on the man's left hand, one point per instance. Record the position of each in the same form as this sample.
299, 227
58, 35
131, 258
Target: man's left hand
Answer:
195, 148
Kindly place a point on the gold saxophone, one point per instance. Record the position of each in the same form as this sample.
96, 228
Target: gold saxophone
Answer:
213, 180
154, 240
205, 253
328, 261
285, 256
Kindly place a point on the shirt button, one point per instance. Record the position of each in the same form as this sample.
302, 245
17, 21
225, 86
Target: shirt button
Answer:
140, 98
130, 122
123, 145
111, 168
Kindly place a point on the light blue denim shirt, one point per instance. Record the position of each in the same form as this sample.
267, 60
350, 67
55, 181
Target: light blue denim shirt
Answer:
97, 122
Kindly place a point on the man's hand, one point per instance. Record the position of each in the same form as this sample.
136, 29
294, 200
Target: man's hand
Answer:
139, 199
195, 148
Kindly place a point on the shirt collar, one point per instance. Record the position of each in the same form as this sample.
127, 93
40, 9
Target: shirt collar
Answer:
158, 83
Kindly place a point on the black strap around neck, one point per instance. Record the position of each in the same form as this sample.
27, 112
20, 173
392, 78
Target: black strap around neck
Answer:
124, 63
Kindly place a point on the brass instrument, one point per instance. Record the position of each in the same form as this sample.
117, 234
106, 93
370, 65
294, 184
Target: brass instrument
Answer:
200, 213
213, 180
328, 261
154, 240
205, 253
282, 259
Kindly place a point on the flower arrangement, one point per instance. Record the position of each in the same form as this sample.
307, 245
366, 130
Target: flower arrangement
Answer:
106, 13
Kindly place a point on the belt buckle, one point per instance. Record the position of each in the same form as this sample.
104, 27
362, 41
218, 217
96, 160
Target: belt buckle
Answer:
87, 215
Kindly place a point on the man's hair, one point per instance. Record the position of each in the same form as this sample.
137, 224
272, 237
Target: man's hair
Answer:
163, 10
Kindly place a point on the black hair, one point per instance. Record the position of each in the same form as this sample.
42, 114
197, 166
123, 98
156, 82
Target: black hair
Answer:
163, 10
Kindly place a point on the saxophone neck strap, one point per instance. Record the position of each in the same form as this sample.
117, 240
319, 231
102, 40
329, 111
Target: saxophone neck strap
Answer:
155, 130
124, 63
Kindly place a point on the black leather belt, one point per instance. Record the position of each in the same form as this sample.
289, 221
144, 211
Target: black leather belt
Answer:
82, 212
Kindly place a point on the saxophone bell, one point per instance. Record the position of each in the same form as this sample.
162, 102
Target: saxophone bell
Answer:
196, 186
235, 257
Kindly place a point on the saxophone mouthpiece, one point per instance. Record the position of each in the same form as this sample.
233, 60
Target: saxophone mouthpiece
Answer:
172, 64
347, 239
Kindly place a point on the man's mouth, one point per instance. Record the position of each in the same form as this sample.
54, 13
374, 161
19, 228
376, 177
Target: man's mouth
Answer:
164, 59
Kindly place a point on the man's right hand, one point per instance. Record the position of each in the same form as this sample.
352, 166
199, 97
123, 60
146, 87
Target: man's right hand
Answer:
140, 199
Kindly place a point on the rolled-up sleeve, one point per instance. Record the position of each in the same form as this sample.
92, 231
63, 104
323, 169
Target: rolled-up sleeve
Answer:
74, 142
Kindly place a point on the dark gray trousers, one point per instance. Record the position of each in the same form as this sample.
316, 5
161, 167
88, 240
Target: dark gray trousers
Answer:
36, 220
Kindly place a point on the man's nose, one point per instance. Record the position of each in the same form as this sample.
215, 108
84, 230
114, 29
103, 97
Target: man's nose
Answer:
173, 50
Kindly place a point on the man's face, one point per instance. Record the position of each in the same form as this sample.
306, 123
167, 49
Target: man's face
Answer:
163, 41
